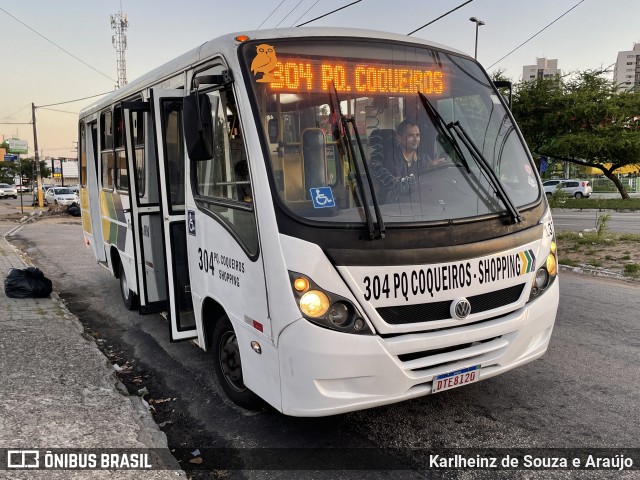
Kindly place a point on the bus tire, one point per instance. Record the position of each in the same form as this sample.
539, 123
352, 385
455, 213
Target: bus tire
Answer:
228, 365
129, 298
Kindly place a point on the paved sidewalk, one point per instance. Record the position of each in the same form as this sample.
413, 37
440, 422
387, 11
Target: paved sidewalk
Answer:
57, 390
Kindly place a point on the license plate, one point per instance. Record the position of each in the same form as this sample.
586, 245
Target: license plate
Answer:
455, 379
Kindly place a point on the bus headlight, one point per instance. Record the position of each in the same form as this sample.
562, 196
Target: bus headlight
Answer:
552, 266
314, 303
339, 314
545, 276
326, 309
542, 278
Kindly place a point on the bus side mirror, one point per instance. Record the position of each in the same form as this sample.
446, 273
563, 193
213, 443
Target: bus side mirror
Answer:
198, 128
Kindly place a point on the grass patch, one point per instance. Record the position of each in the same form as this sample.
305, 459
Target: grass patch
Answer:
586, 238
630, 237
597, 203
625, 257
595, 263
632, 270
569, 262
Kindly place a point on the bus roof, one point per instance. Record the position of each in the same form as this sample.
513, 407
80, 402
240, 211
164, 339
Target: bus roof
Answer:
226, 45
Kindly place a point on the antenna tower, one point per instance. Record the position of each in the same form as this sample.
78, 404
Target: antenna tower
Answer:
119, 24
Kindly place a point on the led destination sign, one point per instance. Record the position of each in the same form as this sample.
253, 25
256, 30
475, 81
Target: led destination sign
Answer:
316, 76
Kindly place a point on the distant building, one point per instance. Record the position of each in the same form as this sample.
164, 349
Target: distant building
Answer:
544, 68
64, 171
627, 70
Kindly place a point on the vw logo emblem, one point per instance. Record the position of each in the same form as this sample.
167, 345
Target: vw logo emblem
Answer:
460, 308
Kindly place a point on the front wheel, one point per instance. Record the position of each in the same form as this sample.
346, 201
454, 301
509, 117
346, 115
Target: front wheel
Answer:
129, 298
228, 365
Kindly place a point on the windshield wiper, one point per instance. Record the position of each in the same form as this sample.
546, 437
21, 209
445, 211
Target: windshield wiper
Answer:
477, 155
441, 127
486, 168
349, 148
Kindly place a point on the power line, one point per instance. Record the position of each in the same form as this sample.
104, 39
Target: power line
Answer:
56, 45
306, 11
71, 101
269, 16
15, 113
290, 12
55, 110
443, 15
327, 14
536, 34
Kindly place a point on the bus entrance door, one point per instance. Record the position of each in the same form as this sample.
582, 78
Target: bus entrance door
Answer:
166, 108
145, 209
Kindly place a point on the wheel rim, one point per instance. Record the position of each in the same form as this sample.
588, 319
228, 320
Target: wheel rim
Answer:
229, 360
578, 195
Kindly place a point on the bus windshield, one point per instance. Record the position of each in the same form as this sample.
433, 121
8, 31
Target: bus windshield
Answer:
350, 125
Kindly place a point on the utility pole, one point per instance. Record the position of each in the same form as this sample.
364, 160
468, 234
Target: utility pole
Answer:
119, 24
36, 159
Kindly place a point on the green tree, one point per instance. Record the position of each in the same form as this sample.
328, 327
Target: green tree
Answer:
27, 168
582, 119
8, 171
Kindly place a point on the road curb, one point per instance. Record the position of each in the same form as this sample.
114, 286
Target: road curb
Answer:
596, 272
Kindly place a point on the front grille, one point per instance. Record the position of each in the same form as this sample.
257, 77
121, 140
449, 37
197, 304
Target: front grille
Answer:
429, 312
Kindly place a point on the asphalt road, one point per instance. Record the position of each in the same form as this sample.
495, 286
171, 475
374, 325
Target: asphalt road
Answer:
582, 394
577, 221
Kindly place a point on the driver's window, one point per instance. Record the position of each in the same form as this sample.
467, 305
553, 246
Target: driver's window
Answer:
223, 183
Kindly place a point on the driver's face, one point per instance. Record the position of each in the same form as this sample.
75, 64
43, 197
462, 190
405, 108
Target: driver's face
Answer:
410, 139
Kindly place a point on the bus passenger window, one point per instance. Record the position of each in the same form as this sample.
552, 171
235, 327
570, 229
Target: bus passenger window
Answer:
106, 149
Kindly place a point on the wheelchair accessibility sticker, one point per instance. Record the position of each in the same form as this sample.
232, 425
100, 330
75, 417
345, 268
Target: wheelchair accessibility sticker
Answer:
192, 222
322, 197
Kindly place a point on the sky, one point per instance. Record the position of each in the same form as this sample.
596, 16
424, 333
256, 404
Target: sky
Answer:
83, 63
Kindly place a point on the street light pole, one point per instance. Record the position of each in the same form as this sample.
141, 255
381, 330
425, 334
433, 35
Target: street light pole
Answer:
478, 23
36, 159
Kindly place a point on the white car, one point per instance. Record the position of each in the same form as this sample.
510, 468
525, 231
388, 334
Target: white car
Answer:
573, 188
60, 196
7, 190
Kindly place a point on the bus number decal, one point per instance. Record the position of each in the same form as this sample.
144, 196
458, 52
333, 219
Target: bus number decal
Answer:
205, 261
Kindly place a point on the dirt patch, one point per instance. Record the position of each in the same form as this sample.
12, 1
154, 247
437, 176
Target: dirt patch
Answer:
616, 253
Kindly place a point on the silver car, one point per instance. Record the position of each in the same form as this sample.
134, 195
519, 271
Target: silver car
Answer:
7, 190
573, 188
60, 196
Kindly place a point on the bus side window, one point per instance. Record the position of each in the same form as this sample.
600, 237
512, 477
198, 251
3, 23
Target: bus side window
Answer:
107, 157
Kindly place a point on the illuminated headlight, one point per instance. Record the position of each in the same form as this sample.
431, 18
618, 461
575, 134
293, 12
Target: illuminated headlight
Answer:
326, 309
552, 266
314, 303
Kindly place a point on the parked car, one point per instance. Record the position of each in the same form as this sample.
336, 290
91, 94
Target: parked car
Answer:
574, 188
60, 196
22, 188
44, 188
7, 190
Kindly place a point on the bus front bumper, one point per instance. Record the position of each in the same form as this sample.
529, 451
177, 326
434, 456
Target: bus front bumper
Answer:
324, 372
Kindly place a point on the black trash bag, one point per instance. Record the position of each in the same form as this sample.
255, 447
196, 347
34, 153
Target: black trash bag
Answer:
27, 283
74, 209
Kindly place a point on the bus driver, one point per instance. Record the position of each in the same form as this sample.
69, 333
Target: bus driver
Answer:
399, 168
